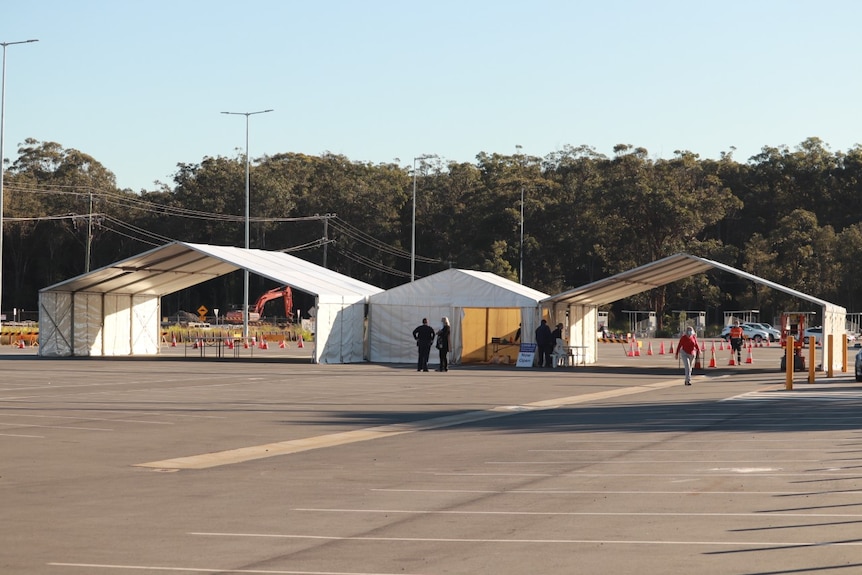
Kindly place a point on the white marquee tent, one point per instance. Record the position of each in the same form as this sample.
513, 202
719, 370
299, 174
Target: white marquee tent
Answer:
481, 306
116, 310
581, 304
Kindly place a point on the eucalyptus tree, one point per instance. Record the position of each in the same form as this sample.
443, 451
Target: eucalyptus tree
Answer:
846, 208
495, 214
580, 226
212, 197
781, 180
847, 249
58, 193
495, 210
450, 217
355, 209
658, 208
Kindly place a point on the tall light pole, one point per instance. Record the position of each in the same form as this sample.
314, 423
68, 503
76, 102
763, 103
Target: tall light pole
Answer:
2, 129
521, 265
413, 227
521, 248
245, 271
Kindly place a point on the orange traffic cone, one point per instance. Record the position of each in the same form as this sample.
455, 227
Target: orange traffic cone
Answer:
661, 349
230, 343
697, 364
649, 349
749, 359
637, 348
245, 344
195, 345
671, 349
21, 344
281, 344
721, 346
264, 344
732, 360
173, 341
712, 359
631, 352
299, 343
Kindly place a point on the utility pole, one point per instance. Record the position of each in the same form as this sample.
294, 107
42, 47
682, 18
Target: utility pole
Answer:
89, 234
325, 236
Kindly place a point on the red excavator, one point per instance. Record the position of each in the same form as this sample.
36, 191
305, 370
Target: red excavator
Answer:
256, 312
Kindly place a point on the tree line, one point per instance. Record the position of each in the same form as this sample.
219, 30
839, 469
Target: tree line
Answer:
788, 215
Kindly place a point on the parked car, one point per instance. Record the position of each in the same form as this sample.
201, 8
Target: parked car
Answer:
748, 332
774, 334
815, 332
859, 366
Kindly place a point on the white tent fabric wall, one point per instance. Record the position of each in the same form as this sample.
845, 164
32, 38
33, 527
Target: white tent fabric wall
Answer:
340, 332
55, 324
395, 313
390, 332
95, 324
146, 336
115, 310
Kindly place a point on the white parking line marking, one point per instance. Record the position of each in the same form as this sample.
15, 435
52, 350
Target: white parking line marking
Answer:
647, 450
579, 474
56, 427
768, 516
213, 570
544, 541
607, 492
647, 462
85, 418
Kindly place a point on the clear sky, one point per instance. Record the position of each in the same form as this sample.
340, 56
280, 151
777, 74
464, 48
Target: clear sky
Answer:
139, 85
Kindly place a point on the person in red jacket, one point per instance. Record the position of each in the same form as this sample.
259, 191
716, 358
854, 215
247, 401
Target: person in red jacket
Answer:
688, 347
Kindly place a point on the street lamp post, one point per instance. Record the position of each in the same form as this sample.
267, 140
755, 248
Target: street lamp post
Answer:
521, 264
2, 129
413, 227
245, 270
521, 243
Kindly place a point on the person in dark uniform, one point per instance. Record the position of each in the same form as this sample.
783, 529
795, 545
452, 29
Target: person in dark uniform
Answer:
545, 344
444, 344
424, 336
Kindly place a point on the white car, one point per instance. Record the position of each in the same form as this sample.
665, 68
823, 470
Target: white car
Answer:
748, 332
774, 334
815, 332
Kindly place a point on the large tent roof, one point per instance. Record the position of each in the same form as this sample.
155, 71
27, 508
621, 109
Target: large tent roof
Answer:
462, 288
659, 273
179, 265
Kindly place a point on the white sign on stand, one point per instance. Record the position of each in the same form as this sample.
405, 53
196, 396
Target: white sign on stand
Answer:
526, 355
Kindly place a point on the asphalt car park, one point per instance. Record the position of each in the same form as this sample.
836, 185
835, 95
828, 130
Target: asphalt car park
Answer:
280, 466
